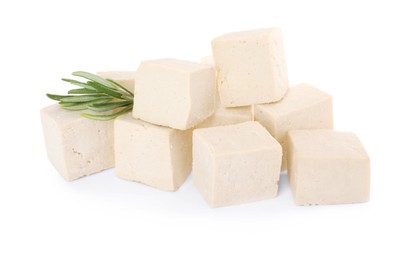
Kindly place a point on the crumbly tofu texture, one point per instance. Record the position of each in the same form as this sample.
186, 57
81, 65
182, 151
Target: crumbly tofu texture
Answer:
157, 156
77, 146
250, 67
174, 93
235, 164
125, 78
327, 167
303, 107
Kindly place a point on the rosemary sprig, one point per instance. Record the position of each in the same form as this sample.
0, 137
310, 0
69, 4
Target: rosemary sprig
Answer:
96, 94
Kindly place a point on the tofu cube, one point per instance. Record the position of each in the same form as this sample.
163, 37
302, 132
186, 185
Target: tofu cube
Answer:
174, 93
157, 156
250, 67
303, 107
327, 167
235, 164
77, 146
125, 78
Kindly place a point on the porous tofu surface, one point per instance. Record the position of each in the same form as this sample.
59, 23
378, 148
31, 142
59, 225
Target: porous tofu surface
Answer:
174, 93
250, 67
247, 136
154, 155
327, 167
77, 146
235, 164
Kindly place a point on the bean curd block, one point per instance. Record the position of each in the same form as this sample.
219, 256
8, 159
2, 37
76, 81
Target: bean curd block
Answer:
250, 67
327, 167
75, 145
235, 164
174, 93
154, 155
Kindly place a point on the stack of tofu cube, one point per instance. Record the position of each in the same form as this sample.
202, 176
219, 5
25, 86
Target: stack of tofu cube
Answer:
232, 120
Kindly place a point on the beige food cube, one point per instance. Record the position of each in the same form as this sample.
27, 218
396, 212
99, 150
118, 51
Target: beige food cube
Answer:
235, 164
174, 93
250, 67
125, 78
303, 107
227, 116
77, 146
154, 155
327, 167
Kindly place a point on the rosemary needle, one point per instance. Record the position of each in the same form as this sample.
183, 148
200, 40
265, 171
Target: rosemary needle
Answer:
96, 94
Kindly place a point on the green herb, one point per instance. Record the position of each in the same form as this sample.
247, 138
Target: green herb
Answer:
96, 94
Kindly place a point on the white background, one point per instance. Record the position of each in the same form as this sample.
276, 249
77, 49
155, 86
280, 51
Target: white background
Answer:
348, 48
